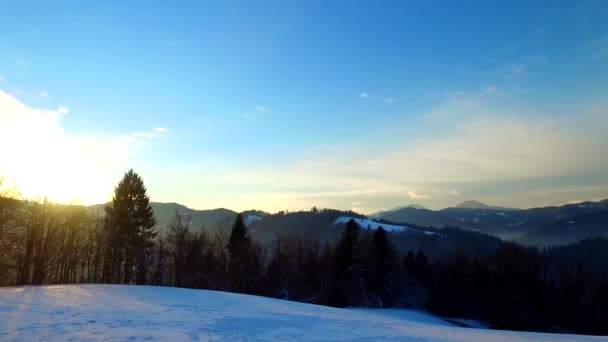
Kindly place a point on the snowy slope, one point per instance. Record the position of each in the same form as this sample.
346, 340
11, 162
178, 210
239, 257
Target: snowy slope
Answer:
116, 312
251, 218
365, 223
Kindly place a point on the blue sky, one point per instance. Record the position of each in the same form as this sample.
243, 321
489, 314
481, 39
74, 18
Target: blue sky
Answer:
286, 105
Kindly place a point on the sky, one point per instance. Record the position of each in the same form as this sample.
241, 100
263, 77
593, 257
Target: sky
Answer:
363, 105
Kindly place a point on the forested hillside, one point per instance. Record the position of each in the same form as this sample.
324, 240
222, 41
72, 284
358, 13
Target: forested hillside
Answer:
306, 256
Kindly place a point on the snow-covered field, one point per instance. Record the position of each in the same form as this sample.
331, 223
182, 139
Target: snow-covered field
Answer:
115, 312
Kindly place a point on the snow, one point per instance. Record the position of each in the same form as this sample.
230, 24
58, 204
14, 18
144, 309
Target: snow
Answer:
502, 214
135, 313
251, 218
365, 223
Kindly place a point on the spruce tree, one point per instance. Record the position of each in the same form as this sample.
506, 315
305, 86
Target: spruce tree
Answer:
240, 249
129, 223
383, 266
346, 273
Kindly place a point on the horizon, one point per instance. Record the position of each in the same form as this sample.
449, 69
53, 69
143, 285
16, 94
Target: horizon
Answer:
412, 205
273, 107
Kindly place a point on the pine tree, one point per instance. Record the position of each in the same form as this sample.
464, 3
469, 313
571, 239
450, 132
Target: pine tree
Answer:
383, 266
240, 249
129, 223
347, 285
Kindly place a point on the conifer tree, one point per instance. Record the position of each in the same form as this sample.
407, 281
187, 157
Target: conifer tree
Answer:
383, 266
129, 223
346, 287
240, 249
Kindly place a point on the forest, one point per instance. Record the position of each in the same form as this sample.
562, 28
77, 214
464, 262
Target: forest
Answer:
502, 283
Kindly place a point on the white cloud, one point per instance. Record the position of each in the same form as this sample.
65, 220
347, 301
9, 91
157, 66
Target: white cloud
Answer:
43, 159
416, 195
154, 133
261, 109
475, 143
2, 78
63, 110
356, 206
364, 95
44, 94
453, 192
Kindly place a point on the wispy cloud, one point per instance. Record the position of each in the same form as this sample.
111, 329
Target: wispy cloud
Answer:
261, 109
44, 94
453, 192
357, 206
154, 133
515, 70
482, 145
416, 195
378, 98
594, 51
492, 91
2, 78
21, 61
390, 99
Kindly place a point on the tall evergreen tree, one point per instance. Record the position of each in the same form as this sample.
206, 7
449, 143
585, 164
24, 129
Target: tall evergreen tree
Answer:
129, 223
347, 286
382, 271
240, 249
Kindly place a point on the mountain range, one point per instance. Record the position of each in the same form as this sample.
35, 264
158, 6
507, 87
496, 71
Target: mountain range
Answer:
536, 226
542, 226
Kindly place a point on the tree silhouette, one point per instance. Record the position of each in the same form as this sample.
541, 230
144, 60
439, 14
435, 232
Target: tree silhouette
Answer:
128, 222
239, 248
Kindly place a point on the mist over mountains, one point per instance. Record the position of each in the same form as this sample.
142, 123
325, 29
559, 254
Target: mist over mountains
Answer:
542, 226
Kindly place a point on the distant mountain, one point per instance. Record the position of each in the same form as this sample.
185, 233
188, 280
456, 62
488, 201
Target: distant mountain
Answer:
415, 206
471, 204
211, 220
537, 226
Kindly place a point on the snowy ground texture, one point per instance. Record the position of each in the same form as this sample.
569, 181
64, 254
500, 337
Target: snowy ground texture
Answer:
116, 313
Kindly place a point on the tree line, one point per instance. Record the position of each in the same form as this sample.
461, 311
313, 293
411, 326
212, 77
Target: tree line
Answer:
509, 286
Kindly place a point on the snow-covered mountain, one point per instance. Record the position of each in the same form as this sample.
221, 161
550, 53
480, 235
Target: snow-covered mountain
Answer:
140, 313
